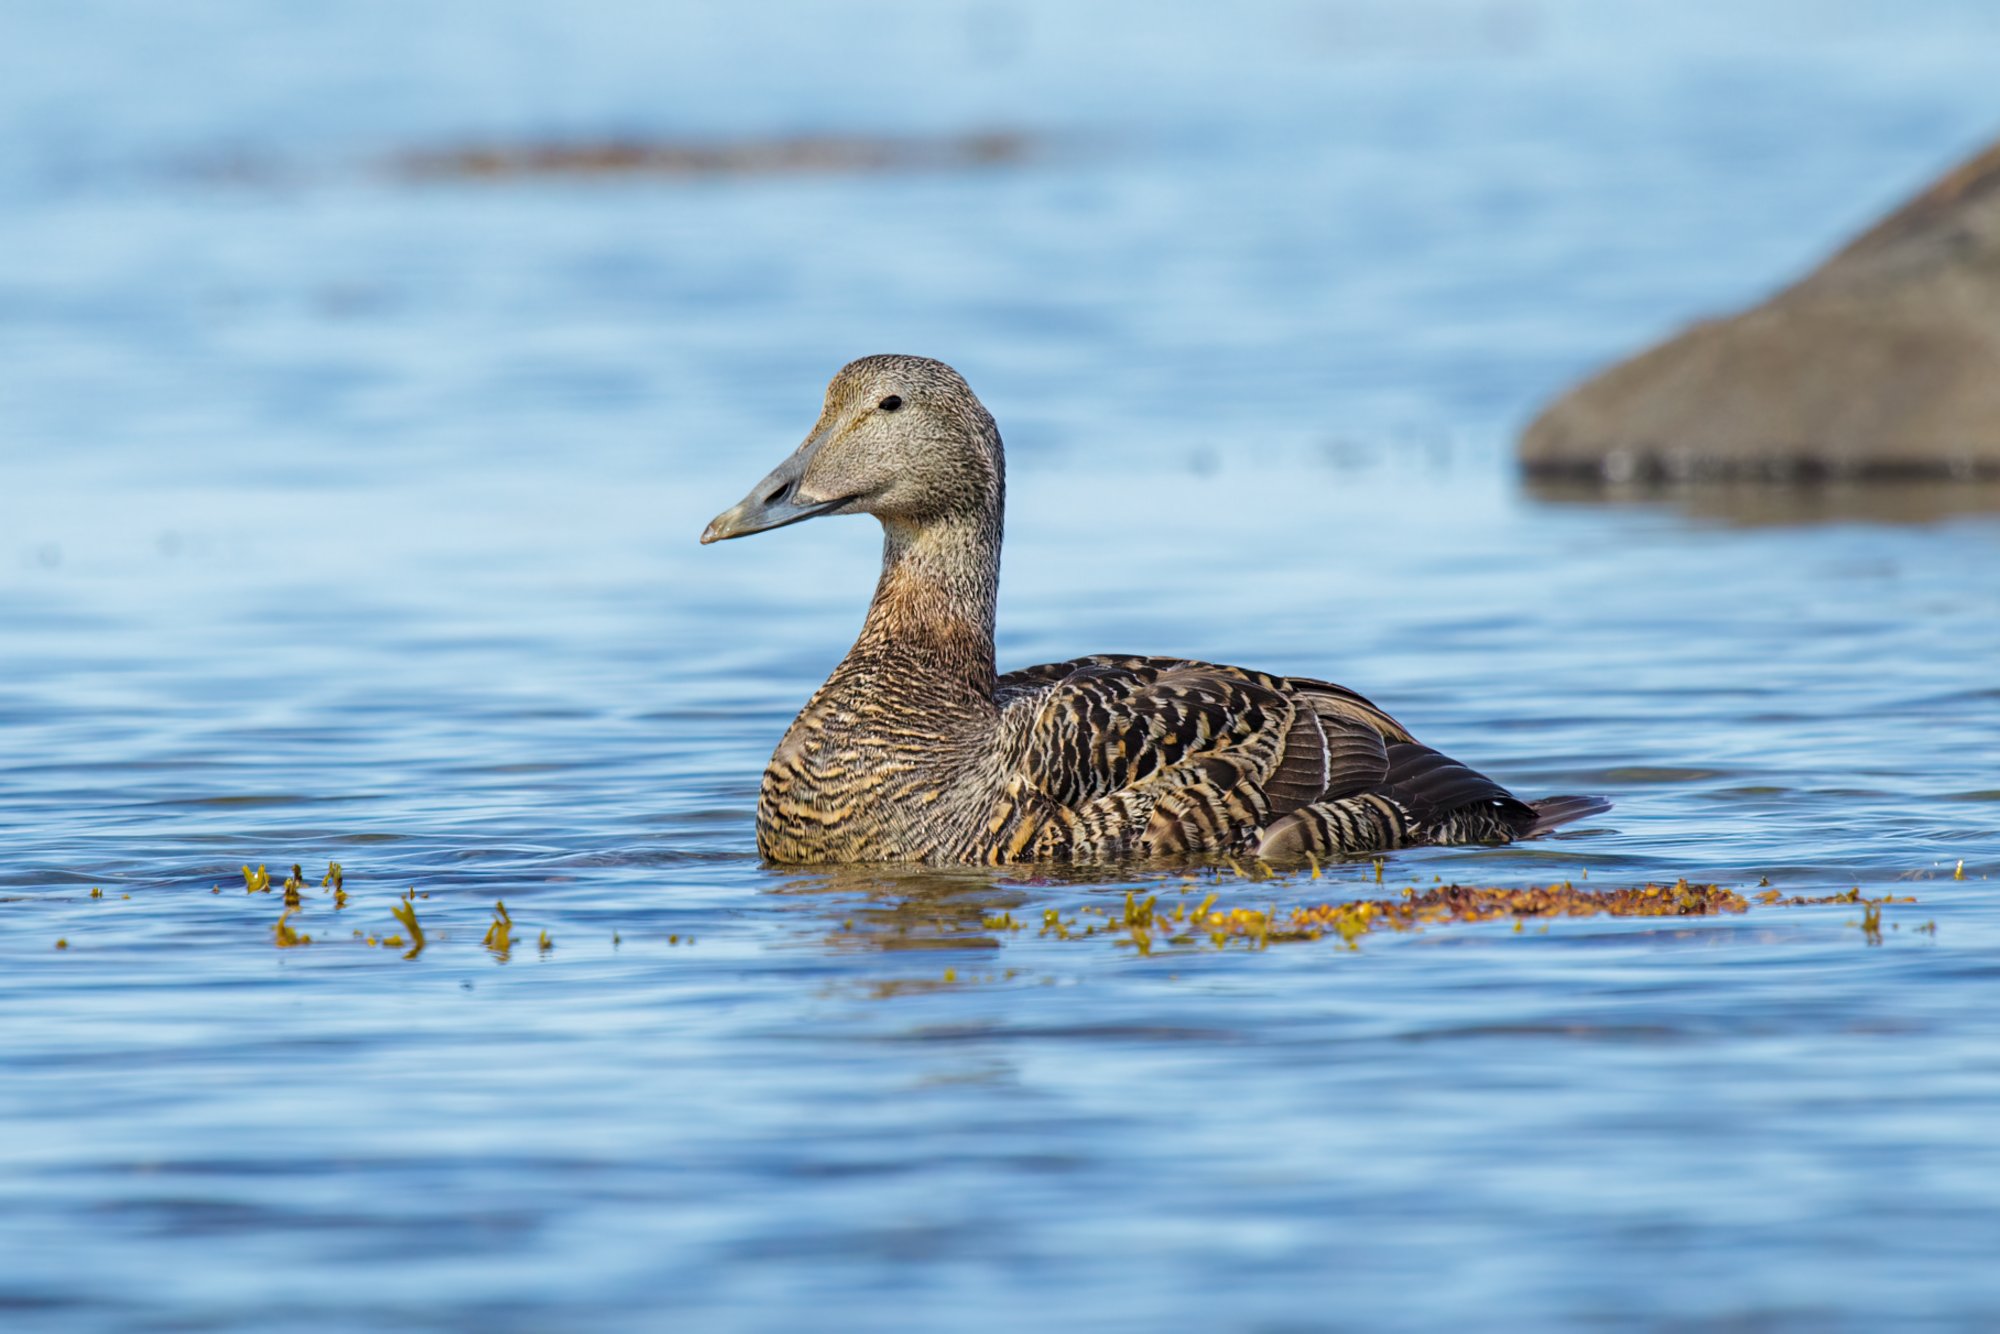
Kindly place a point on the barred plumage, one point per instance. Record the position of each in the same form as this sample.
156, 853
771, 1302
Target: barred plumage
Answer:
914, 750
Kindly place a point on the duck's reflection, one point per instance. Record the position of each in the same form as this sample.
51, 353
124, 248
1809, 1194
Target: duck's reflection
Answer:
890, 908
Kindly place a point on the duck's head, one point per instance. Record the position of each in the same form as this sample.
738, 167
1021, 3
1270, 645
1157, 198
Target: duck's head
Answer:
902, 438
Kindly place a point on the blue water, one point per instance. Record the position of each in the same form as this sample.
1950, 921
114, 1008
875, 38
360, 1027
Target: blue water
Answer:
349, 519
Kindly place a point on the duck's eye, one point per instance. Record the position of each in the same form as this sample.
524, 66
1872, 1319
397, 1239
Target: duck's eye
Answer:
891, 403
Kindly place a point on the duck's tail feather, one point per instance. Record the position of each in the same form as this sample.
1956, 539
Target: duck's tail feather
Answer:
1553, 812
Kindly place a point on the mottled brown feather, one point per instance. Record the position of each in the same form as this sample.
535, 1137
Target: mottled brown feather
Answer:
914, 750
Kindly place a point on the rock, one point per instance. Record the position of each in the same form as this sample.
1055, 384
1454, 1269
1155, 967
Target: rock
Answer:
1884, 361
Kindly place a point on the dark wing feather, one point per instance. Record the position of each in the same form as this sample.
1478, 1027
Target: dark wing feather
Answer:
1357, 757
1108, 724
1430, 785
1162, 755
1308, 759
1169, 755
1332, 701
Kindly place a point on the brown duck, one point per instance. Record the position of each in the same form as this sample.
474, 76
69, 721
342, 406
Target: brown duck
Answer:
916, 751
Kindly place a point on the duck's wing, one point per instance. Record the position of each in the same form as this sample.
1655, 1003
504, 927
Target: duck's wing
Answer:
1157, 756
1165, 755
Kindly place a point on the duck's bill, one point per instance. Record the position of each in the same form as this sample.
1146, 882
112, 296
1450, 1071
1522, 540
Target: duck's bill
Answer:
772, 503
755, 516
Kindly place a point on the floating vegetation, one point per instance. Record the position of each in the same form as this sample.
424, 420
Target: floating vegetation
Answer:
666, 158
1850, 896
1871, 910
1466, 903
1153, 922
405, 912
286, 937
499, 936
1871, 923
950, 980
1143, 925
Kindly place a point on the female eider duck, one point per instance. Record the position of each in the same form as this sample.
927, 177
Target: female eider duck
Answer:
916, 751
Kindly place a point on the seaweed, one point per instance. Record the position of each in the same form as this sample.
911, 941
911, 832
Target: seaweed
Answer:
671, 158
337, 881
499, 936
405, 912
284, 935
1160, 921
1141, 921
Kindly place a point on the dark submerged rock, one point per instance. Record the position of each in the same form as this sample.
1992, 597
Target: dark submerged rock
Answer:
1883, 362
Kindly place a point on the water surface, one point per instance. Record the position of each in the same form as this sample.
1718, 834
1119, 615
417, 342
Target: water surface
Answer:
342, 520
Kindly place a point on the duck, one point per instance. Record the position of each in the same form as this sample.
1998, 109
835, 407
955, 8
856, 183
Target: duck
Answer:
917, 750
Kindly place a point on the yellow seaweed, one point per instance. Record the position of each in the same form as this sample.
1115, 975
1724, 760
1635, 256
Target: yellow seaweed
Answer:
405, 912
499, 938
285, 937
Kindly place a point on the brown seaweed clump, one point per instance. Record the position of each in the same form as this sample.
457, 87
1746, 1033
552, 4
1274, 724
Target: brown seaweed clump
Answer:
1144, 923
806, 154
1467, 903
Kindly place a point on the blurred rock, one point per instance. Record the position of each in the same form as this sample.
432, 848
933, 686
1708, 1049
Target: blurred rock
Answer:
1885, 361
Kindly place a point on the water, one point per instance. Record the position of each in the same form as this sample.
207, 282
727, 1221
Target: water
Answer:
342, 520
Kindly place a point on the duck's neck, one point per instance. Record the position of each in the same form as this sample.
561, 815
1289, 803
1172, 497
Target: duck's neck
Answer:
932, 615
